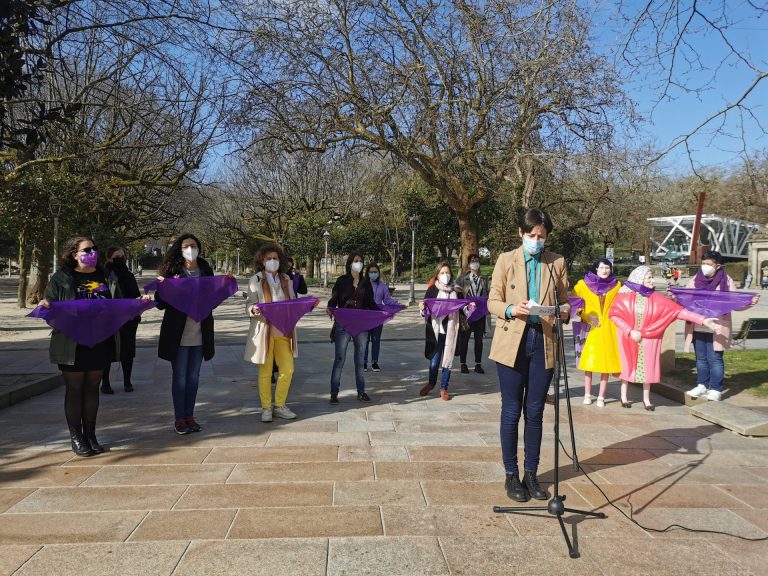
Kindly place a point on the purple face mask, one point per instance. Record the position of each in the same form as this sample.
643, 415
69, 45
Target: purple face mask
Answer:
89, 259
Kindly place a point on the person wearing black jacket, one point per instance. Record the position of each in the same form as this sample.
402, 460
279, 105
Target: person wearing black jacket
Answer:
81, 277
352, 290
116, 264
183, 341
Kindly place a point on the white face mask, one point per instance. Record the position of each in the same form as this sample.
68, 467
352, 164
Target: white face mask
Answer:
190, 253
474, 265
444, 278
357, 266
272, 265
708, 270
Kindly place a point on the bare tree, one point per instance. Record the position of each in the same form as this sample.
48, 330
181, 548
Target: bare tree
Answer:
469, 95
664, 40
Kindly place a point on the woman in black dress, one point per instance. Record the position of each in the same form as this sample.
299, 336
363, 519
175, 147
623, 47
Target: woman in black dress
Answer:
81, 277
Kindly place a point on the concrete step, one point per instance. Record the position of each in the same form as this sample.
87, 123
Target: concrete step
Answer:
737, 418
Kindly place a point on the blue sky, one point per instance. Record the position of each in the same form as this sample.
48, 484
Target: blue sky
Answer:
718, 76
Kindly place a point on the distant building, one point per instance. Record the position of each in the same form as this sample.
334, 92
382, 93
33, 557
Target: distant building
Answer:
671, 236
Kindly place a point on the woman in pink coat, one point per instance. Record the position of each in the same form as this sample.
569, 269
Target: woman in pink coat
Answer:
641, 317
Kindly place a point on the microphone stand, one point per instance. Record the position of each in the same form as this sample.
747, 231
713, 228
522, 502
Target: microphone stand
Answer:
556, 505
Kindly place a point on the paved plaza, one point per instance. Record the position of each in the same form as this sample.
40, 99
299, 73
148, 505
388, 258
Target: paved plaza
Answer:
401, 486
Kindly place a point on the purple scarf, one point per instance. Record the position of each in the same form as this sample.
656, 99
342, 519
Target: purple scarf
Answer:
91, 321
577, 303
719, 278
358, 320
712, 303
195, 296
599, 286
439, 307
285, 314
639, 288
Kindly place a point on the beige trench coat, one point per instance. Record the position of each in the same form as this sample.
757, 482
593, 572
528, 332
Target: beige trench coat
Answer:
256, 344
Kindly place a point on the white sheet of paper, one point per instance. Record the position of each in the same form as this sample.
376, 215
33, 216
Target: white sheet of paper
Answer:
536, 309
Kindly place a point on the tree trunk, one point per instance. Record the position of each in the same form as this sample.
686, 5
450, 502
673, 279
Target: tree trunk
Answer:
42, 269
309, 269
469, 242
21, 294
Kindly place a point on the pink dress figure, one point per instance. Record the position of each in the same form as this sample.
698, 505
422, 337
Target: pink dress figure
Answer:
642, 316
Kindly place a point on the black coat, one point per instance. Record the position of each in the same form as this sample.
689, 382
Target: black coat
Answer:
173, 323
344, 289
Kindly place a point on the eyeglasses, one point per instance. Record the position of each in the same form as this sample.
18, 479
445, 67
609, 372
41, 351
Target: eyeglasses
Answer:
88, 250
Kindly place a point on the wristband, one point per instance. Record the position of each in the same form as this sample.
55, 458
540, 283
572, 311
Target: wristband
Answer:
508, 312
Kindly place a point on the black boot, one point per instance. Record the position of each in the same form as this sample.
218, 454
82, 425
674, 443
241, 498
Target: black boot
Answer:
80, 445
532, 485
515, 490
89, 431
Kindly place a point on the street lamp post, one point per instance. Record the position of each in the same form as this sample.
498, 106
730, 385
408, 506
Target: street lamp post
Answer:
238, 260
413, 222
54, 205
326, 235
394, 264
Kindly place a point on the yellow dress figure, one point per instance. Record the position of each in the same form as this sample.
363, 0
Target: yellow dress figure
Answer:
601, 351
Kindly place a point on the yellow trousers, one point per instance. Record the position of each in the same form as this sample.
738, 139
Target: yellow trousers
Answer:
279, 352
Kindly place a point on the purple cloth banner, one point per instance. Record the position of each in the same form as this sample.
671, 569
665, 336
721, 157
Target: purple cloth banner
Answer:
712, 303
197, 296
91, 321
580, 333
355, 320
576, 303
439, 307
284, 315
481, 308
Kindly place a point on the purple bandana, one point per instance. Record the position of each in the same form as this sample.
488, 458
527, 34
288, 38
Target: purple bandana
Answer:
195, 296
639, 288
580, 333
576, 304
91, 321
439, 307
600, 286
481, 308
357, 320
284, 315
712, 303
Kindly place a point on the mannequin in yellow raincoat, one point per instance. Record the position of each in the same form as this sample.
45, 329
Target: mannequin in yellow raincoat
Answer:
601, 351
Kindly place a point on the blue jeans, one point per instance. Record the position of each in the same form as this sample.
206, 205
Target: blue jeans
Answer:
434, 365
709, 363
186, 376
374, 338
342, 341
524, 390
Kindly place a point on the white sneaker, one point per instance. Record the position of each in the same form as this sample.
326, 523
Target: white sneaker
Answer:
600, 402
266, 415
714, 395
697, 392
284, 412
587, 400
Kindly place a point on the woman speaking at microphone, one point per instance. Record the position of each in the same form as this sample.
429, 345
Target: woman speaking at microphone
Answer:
523, 345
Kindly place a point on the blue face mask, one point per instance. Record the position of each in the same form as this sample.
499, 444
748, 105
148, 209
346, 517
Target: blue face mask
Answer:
373, 276
532, 246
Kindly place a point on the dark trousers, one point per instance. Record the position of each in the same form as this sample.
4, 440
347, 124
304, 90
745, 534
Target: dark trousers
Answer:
476, 329
524, 390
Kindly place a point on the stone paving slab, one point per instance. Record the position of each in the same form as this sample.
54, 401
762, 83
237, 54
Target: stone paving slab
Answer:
71, 528
12, 557
307, 522
184, 525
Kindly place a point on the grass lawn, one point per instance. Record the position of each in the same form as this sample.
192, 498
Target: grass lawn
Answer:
744, 370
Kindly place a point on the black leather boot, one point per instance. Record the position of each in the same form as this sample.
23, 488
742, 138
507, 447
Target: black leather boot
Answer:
515, 490
531, 483
80, 445
89, 432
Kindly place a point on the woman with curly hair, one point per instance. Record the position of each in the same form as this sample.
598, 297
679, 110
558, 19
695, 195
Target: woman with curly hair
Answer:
266, 345
183, 341
81, 277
